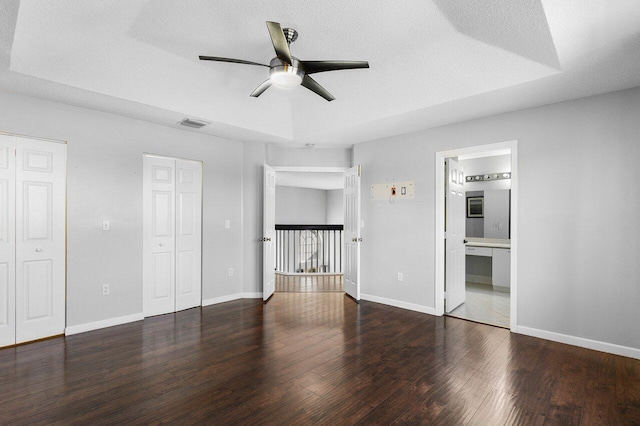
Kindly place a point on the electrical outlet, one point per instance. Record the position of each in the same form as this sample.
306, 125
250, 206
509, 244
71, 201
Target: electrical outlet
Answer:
227, 224
106, 289
400, 277
105, 225
230, 272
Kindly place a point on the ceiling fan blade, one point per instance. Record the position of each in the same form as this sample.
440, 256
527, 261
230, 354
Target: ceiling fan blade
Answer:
311, 67
313, 85
260, 89
235, 61
279, 42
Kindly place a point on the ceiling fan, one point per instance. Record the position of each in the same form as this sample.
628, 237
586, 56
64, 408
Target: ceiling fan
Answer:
288, 71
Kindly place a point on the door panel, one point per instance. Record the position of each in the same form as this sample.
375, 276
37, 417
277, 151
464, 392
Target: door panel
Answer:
186, 269
40, 239
352, 232
189, 234
455, 228
7, 241
38, 285
37, 211
161, 214
269, 233
161, 278
158, 235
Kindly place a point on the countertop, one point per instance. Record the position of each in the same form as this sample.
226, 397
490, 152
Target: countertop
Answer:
488, 242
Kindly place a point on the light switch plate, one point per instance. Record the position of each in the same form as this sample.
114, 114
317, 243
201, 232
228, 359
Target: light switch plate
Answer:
227, 224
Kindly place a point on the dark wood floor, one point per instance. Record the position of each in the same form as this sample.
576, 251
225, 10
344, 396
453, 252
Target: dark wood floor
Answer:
309, 283
312, 358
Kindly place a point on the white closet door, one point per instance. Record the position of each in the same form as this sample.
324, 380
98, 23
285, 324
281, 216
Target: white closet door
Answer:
158, 235
40, 239
7, 241
188, 234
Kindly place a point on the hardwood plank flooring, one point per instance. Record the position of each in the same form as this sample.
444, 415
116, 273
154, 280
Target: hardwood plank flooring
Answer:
309, 283
312, 358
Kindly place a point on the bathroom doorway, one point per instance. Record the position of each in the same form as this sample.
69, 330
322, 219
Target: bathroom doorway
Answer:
475, 277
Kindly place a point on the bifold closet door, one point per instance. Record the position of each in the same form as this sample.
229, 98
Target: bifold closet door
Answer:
40, 239
172, 234
7, 241
188, 234
32, 239
159, 235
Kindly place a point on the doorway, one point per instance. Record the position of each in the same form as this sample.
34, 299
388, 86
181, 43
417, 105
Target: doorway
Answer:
305, 232
490, 284
172, 234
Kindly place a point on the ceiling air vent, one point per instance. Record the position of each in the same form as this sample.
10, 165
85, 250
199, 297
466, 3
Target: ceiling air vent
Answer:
196, 124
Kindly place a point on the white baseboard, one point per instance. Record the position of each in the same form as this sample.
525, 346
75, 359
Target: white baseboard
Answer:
90, 326
230, 297
257, 295
581, 342
480, 279
399, 304
221, 299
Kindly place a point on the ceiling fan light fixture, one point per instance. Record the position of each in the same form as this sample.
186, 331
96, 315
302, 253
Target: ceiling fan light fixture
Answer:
284, 75
285, 79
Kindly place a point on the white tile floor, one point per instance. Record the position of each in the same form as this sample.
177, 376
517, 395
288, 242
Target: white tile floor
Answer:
484, 305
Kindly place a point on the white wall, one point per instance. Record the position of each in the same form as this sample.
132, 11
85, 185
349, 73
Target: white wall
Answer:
335, 213
307, 206
578, 256
300, 206
104, 181
314, 157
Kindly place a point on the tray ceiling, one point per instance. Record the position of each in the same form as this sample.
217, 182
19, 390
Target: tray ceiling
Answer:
432, 62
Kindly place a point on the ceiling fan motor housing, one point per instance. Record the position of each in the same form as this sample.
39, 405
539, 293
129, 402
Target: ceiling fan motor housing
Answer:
285, 75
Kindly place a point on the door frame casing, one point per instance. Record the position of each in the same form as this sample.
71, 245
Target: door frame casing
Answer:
306, 169
439, 240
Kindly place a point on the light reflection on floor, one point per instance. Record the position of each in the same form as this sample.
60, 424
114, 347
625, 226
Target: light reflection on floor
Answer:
485, 305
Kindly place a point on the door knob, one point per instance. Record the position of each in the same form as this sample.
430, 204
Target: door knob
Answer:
38, 250
161, 244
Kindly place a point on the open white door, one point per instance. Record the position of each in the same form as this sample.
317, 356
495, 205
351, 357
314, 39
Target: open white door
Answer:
351, 202
188, 234
454, 236
269, 233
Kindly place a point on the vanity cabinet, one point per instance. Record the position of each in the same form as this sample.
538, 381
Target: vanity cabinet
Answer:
501, 268
478, 251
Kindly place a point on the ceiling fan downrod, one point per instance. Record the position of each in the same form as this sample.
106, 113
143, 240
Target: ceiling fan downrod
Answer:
290, 34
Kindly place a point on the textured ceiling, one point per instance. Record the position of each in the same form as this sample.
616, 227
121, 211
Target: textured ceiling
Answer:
432, 62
